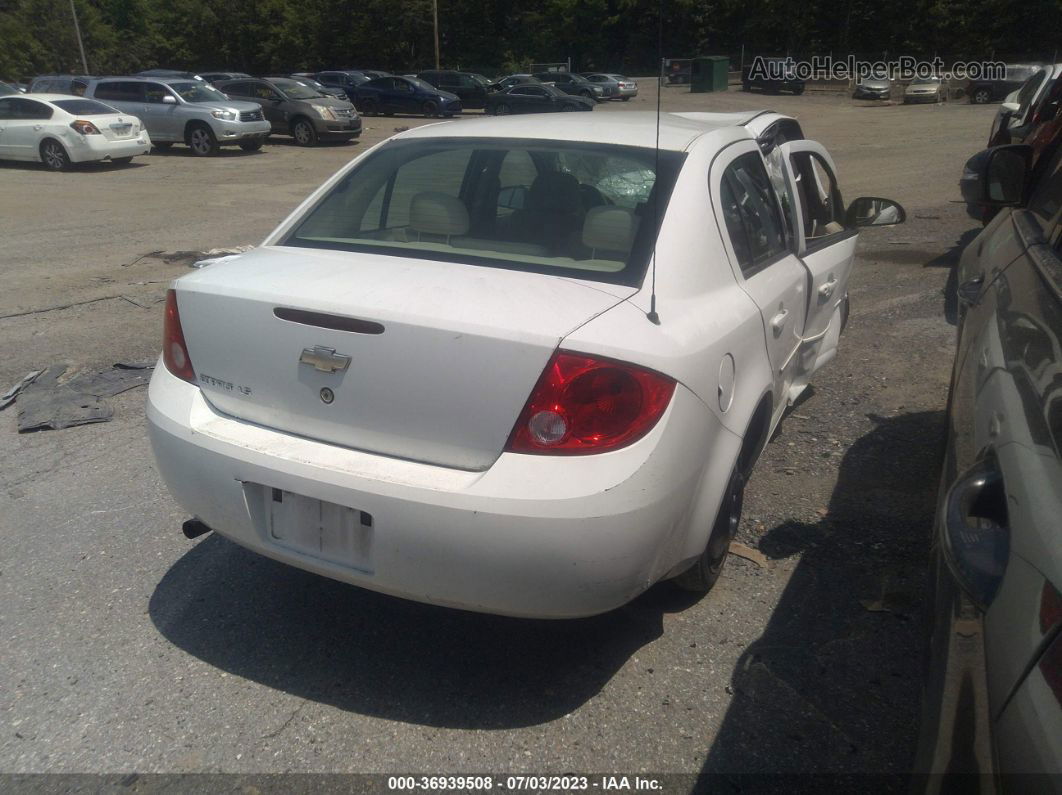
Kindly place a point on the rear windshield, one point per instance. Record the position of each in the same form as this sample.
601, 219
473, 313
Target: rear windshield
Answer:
572, 209
84, 107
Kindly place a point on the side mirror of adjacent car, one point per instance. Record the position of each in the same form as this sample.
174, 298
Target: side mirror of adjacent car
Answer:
169, 99
1010, 107
872, 211
997, 177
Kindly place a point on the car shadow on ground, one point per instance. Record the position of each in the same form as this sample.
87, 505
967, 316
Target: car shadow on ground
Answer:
323, 143
376, 655
832, 686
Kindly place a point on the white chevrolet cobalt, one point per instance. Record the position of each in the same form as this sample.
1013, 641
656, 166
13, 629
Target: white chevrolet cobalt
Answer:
519, 366
59, 129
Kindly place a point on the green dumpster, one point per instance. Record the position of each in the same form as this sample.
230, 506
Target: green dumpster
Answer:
709, 73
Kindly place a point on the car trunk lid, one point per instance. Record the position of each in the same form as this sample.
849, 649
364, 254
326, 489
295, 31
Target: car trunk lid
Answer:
430, 361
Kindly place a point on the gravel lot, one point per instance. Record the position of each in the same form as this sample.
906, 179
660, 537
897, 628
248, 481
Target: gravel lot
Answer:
126, 647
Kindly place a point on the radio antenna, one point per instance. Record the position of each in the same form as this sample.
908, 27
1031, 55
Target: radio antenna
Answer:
652, 316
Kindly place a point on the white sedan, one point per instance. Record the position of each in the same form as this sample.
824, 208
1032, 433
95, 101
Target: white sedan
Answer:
59, 129
469, 371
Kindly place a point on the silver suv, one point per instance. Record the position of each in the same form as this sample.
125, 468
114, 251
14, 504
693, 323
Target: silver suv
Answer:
176, 110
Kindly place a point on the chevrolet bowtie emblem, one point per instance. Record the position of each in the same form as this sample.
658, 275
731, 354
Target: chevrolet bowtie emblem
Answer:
324, 359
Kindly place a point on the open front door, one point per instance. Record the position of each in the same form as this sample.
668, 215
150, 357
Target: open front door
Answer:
824, 244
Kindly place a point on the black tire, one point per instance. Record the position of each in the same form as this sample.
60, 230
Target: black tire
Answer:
797, 92
981, 96
251, 146
567, 107
54, 156
586, 94
625, 99
162, 146
201, 141
302, 130
368, 107
502, 109
746, 87
702, 575
121, 161
430, 109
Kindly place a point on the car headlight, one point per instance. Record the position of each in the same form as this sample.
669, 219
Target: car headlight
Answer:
325, 112
227, 115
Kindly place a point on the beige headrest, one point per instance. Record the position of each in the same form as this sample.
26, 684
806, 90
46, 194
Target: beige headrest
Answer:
609, 229
438, 214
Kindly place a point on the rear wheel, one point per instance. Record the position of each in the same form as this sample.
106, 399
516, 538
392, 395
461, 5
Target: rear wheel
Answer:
201, 141
54, 156
981, 96
304, 133
702, 575
586, 94
501, 109
369, 108
430, 108
625, 99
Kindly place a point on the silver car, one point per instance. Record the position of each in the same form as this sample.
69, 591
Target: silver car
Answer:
178, 110
616, 86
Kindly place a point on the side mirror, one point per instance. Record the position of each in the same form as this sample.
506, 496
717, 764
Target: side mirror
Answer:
872, 211
1010, 107
997, 177
169, 99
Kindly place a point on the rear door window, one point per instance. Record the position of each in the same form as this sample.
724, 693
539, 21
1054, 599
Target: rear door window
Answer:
753, 216
120, 91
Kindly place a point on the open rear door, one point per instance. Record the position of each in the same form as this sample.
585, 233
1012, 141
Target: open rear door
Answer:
824, 244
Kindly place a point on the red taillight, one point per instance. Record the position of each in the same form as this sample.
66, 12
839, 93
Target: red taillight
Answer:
584, 405
174, 351
85, 127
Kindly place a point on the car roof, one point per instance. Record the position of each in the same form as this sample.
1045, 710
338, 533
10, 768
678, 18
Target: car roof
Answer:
637, 128
167, 79
56, 97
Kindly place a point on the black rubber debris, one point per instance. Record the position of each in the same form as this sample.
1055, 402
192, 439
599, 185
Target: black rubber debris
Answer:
46, 403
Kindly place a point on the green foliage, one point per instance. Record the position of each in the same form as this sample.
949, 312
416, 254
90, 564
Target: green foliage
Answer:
266, 36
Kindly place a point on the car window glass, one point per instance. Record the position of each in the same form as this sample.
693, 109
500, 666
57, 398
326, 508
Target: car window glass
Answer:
1028, 91
236, 89
757, 208
735, 226
28, 109
822, 213
120, 91
263, 91
7, 109
154, 92
583, 212
1046, 199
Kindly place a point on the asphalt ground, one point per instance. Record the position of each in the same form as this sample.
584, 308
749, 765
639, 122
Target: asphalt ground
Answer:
126, 648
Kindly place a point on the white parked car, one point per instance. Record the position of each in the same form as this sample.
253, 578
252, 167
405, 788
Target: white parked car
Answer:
59, 129
442, 377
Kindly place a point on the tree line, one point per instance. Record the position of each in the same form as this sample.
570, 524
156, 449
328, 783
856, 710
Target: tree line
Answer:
495, 36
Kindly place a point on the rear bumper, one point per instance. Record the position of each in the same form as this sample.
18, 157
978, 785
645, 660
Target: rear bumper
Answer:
534, 536
88, 148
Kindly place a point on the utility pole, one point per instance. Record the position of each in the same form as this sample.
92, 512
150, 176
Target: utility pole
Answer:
435, 17
80, 46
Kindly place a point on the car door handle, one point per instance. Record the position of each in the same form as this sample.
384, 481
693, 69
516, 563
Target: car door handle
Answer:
778, 322
827, 289
969, 291
37, 127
